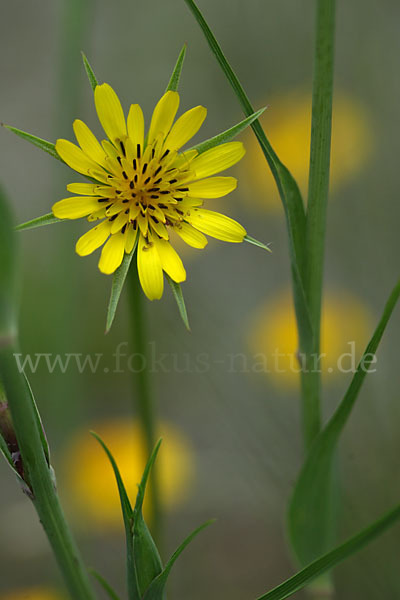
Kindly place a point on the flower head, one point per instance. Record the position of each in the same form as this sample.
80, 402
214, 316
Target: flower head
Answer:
143, 187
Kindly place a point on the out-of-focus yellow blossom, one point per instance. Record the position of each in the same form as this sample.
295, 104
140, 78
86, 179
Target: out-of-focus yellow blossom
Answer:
346, 326
287, 123
90, 478
37, 593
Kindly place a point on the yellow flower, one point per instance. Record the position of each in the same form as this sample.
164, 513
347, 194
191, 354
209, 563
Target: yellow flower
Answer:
91, 481
143, 187
346, 325
33, 594
287, 122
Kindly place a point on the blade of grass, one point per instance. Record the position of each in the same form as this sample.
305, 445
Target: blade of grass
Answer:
105, 585
351, 546
117, 285
48, 219
180, 301
89, 72
229, 134
36, 141
287, 187
176, 74
311, 510
127, 513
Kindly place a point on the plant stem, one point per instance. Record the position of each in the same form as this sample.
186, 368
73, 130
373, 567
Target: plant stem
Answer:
37, 474
144, 398
317, 205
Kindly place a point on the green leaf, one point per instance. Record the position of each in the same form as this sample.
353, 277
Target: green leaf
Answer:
229, 134
8, 280
117, 285
311, 509
156, 591
287, 187
333, 558
255, 242
176, 75
89, 71
105, 585
36, 141
48, 219
147, 559
127, 513
178, 295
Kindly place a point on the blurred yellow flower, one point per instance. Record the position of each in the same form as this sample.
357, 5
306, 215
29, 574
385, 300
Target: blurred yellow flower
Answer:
33, 594
346, 326
90, 479
287, 123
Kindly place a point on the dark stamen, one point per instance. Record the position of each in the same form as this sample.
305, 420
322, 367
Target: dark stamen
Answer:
134, 164
162, 205
156, 189
165, 154
173, 180
151, 206
119, 160
117, 192
125, 201
157, 171
127, 212
138, 150
131, 185
144, 168
104, 200
154, 196
146, 181
123, 229
122, 148
134, 225
124, 175
165, 192
133, 195
180, 212
135, 178
153, 151
182, 189
154, 219
109, 206
113, 218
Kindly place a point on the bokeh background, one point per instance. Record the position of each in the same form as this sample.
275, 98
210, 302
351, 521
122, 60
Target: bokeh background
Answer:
232, 446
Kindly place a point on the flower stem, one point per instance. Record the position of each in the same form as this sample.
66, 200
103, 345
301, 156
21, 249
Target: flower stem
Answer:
144, 398
317, 205
38, 477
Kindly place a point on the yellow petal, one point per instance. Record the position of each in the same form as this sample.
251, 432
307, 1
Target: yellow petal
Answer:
185, 127
217, 159
190, 235
219, 226
213, 187
130, 239
74, 157
159, 228
88, 142
119, 222
136, 126
150, 269
110, 113
112, 254
76, 207
85, 189
183, 159
93, 239
163, 115
170, 260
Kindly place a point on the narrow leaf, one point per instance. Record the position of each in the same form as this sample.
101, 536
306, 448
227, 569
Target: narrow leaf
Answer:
48, 219
117, 285
36, 141
105, 585
311, 510
147, 559
287, 187
333, 558
178, 295
89, 72
229, 134
156, 590
255, 242
127, 513
176, 75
